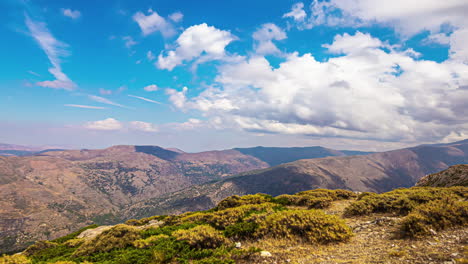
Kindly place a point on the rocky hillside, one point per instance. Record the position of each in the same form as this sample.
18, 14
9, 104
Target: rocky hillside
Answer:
315, 226
51, 194
54, 192
378, 172
456, 175
277, 156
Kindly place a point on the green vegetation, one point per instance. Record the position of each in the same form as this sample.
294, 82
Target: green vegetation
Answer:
210, 236
401, 201
435, 215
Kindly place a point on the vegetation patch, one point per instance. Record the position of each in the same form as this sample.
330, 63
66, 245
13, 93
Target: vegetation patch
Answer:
202, 236
402, 201
435, 215
313, 226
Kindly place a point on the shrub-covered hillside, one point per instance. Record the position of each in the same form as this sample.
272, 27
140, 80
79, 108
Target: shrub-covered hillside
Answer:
317, 226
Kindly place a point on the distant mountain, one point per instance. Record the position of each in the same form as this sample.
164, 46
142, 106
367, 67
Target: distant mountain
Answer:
276, 156
377, 172
52, 193
20, 150
456, 175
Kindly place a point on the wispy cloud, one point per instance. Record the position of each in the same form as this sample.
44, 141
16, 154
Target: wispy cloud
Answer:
55, 51
129, 42
103, 100
84, 106
106, 124
73, 14
151, 88
144, 99
34, 73
154, 22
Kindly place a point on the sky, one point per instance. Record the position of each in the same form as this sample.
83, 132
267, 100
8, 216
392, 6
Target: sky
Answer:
211, 74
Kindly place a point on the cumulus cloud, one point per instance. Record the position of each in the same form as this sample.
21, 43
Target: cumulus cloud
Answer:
143, 126
106, 124
264, 39
151, 88
371, 91
111, 124
200, 41
153, 22
297, 12
177, 98
73, 14
176, 16
55, 51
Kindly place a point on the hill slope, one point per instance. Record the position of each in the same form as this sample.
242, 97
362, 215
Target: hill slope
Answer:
378, 172
454, 176
315, 226
53, 193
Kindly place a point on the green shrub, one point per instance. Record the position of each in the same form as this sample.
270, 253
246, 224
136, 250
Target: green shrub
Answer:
241, 230
144, 221
74, 242
203, 236
313, 226
235, 200
230, 216
401, 201
435, 215
303, 200
120, 236
149, 241
39, 246
14, 259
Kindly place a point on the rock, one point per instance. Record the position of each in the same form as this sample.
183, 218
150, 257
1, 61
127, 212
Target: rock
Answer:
265, 254
432, 232
92, 233
238, 245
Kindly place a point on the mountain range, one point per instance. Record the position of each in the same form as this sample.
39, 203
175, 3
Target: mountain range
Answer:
51, 193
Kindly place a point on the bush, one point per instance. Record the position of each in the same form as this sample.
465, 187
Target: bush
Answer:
436, 215
315, 199
313, 226
203, 236
14, 259
39, 246
73, 235
235, 200
149, 241
230, 216
120, 236
401, 201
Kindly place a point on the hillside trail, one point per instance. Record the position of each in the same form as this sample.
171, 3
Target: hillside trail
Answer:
374, 242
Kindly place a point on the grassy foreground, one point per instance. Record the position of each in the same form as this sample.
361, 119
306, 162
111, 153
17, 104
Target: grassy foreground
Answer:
312, 226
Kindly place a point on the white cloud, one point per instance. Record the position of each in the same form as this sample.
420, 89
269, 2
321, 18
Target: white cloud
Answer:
297, 12
143, 126
202, 41
55, 51
129, 42
440, 38
103, 100
105, 92
346, 43
151, 88
150, 56
153, 22
73, 14
458, 45
84, 106
144, 99
177, 98
106, 124
264, 39
372, 91
176, 16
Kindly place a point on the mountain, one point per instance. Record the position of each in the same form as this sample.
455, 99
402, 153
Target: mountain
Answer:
276, 156
20, 150
52, 193
456, 175
377, 172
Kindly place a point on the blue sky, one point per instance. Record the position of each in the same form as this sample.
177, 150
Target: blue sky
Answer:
218, 74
